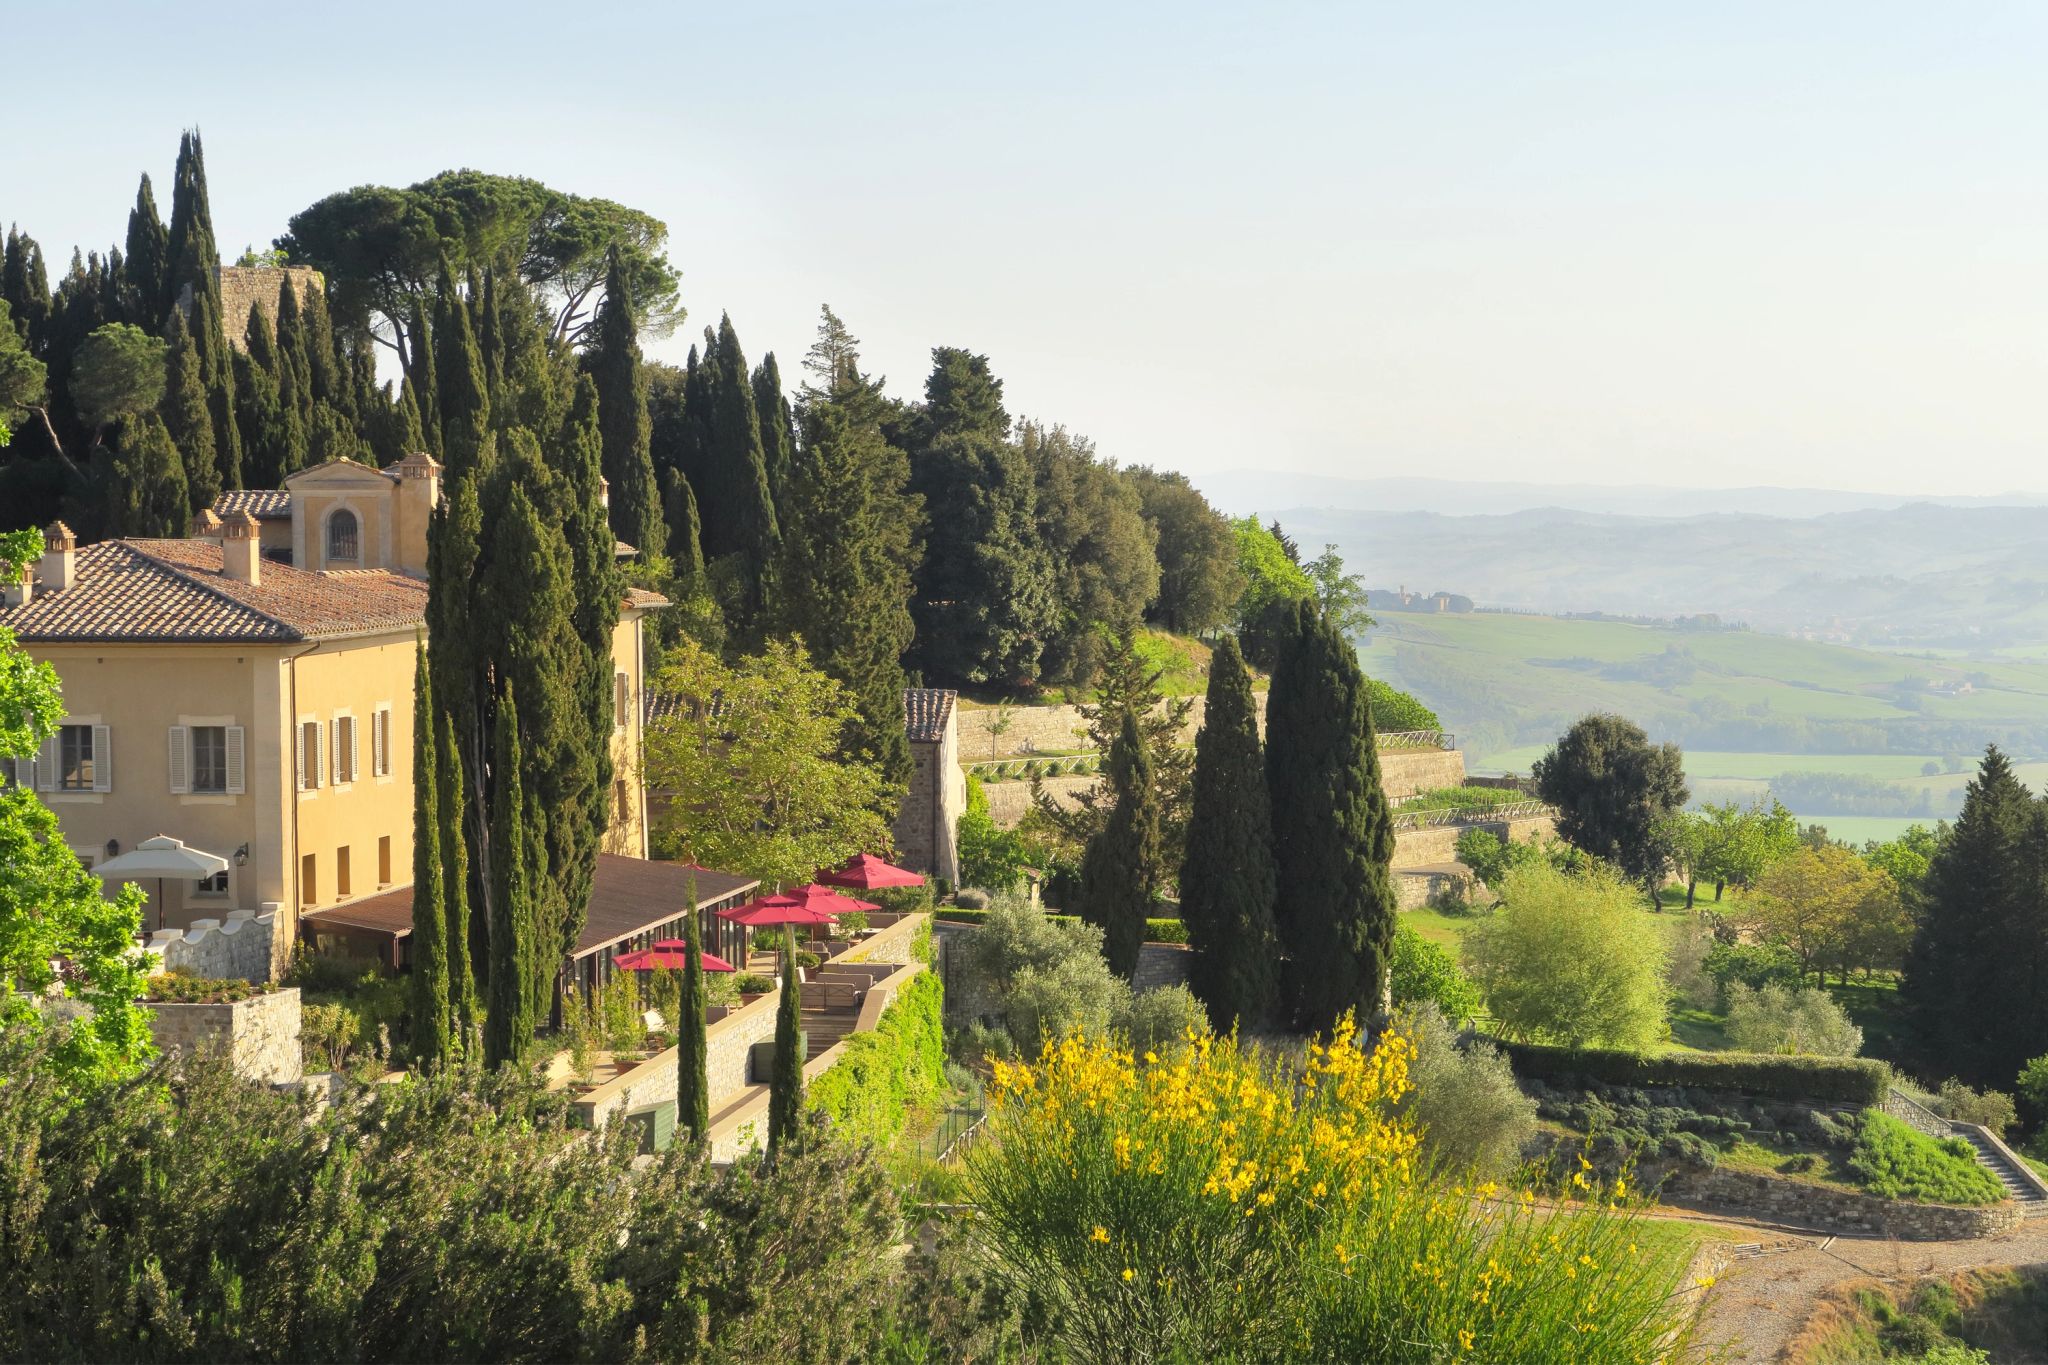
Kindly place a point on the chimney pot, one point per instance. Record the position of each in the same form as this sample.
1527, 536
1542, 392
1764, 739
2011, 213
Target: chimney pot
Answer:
241, 550
59, 567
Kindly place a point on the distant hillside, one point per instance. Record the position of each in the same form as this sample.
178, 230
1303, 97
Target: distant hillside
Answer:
1921, 576
1506, 681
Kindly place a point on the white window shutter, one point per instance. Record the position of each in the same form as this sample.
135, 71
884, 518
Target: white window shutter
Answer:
299, 754
234, 760
46, 765
352, 750
181, 760
334, 776
376, 744
102, 758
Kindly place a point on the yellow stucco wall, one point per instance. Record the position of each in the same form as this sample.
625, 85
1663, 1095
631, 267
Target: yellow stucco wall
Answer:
627, 832
356, 678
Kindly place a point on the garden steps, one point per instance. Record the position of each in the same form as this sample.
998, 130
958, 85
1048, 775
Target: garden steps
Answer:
2020, 1185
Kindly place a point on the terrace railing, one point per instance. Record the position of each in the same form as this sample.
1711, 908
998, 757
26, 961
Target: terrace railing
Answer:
1471, 815
1417, 739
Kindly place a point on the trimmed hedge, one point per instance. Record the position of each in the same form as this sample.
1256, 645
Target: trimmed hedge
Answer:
1156, 930
885, 1074
1845, 1080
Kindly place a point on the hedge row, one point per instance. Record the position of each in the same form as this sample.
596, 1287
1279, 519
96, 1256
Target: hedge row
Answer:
1843, 1080
1156, 930
885, 1074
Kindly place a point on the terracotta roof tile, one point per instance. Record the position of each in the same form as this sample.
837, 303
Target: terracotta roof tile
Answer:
264, 504
926, 711
173, 590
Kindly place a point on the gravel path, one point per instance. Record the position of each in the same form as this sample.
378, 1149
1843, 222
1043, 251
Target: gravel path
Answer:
1759, 1303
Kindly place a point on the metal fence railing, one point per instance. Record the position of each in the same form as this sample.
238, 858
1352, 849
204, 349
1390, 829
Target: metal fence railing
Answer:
956, 1131
1471, 815
1417, 739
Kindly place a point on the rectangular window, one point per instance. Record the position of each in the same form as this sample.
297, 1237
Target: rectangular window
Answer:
309, 756
209, 758
341, 871
380, 742
622, 699
74, 758
383, 860
216, 885
343, 768
622, 801
309, 884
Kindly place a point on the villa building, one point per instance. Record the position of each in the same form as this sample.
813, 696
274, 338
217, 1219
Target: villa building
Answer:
249, 691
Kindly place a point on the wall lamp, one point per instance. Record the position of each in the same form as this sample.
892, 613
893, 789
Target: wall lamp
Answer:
113, 848
242, 856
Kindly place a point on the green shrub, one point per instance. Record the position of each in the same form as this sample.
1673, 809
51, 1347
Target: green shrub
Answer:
1755, 965
1396, 710
1798, 1020
901, 900
2033, 1088
961, 914
1156, 1020
991, 858
1839, 1080
807, 960
1464, 1103
327, 1033
182, 988
753, 983
1895, 1161
1568, 959
1165, 931
853, 921
1423, 972
1992, 1109
890, 1071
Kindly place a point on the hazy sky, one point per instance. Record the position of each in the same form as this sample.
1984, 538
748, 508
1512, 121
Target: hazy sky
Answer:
1721, 244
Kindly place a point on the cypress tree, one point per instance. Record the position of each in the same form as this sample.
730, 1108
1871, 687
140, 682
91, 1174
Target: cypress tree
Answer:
193, 254
419, 373
1976, 980
272, 440
185, 415
331, 381
463, 399
778, 432
986, 593
146, 482
739, 512
433, 1021
452, 839
148, 260
693, 1084
219, 368
510, 1022
614, 363
25, 285
685, 531
1333, 835
842, 581
1118, 879
410, 427
294, 364
1227, 880
786, 1083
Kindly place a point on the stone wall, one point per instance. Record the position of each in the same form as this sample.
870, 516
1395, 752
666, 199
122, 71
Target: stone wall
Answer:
892, 944
1041, 729
726, 1045
1439, 844
260, 1035
1008, 801
242, 287
1416, 887
1161, 965
1405, 772
1817, 1206
246, 945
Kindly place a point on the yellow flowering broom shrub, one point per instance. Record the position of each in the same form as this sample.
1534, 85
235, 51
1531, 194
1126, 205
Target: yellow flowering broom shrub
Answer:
1203, 1206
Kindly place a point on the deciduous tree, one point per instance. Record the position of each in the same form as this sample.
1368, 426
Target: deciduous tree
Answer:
1615, 792
1567, 959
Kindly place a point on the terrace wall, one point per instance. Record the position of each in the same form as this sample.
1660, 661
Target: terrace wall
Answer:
259, 1036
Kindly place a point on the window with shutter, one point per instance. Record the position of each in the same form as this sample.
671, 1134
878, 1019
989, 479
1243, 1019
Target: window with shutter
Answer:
209, 771
378, 766
46, 766
103, 758
235, 747
621, 700
180, 757
75, 758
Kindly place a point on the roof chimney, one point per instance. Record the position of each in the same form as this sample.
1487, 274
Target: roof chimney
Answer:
241, 551
205, 525
59, 569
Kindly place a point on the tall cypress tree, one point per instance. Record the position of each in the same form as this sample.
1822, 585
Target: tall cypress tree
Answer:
273, 442
738, 471
1976, 981
433, 1018
25, 286
614, 363
331, 382
452, 838
219, 369
843, 581
189, 246
510, 1022
1118, 869
778, 432
1333, 834
986, 593
786, 1082
146, 482
693, 1084
294, 363
148, 259
463, 400
1227, 880
185, 415
419, 372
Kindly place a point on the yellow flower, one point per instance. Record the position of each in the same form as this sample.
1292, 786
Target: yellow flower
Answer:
1464, 1339
1128, 1274
1705, 1281
1101, 1234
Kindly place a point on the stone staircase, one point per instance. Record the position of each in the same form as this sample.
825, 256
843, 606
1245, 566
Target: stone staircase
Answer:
2023, 1185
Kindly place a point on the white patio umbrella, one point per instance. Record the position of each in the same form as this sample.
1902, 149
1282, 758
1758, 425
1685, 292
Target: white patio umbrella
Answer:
161, 857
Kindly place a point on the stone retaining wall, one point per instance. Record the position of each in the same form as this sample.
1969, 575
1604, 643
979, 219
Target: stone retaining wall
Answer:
1405, 772
1161, 965
1816, 1206
892, 944
1439, 844
260, 1035
726, 1046
247, 945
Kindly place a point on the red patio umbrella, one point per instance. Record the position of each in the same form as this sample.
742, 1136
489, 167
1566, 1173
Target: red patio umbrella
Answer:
773, 910
866, 872
670, 954
819, 897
